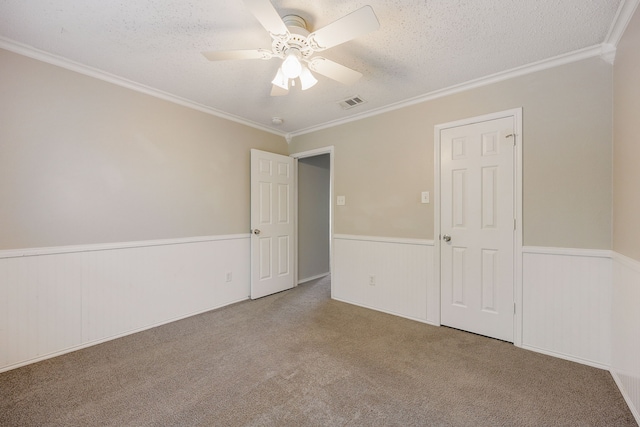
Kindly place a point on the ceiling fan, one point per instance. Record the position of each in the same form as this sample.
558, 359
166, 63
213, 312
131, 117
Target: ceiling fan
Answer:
296, 46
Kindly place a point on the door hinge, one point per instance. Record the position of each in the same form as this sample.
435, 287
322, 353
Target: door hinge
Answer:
514, 308
514, 225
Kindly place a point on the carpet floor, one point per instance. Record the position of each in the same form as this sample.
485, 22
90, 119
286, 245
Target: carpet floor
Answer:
298, 358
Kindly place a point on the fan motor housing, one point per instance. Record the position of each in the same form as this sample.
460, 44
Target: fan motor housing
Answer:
297, 37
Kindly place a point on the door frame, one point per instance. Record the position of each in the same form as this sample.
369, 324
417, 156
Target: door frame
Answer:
301, 155
516, 113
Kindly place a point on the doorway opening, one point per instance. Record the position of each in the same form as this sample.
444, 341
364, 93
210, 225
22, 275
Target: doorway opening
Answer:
314, 215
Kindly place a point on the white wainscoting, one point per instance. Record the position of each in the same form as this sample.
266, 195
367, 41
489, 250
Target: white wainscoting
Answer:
567, 303
402, 271
625, 336
56, 300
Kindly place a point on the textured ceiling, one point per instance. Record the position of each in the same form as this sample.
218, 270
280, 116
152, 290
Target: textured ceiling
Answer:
422, 46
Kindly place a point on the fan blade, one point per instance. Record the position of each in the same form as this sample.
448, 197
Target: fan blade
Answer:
267, 15
353, 25
278, 91
334, 71
224, 55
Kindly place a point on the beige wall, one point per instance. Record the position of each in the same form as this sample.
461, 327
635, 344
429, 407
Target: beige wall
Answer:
382, 163
84, 161
626, 146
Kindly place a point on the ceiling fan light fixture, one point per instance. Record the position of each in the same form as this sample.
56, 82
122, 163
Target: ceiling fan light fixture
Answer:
281, 80
306, 79
291, 66
294, 45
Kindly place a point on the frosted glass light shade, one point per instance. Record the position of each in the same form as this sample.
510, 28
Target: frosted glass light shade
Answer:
281, 80
306, 79
291, 66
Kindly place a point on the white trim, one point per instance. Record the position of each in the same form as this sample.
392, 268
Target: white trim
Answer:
314, 152
578, 55
519, 189
295, 222
386, 311
620, 22
317, 276
624, 14
86, 70
330, 150
113, 337
400, 240
626, 261
18, 253
626, 272
566, 357
625, 395
596, 253
436, 224
608, 53
479, 119
516, 113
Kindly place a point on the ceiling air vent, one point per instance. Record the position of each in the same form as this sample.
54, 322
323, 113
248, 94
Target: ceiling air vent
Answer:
351, 102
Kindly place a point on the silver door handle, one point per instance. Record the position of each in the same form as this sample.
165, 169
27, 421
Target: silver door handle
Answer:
446, 238
255, 231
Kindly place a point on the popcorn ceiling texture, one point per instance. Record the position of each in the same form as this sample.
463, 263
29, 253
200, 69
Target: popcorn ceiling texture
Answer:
421, 46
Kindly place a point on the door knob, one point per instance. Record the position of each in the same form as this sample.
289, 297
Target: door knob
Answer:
255, 231
446, 238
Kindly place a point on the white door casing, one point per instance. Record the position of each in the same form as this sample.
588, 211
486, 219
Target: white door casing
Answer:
477, 213
272, 223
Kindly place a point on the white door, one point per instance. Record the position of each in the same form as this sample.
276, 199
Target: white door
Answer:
272, 227
477, 227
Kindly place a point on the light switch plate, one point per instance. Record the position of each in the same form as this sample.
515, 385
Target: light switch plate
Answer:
425, 197
340, 200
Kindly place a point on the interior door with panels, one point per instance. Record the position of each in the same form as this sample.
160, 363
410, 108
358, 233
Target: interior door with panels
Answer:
272, 223
477, 226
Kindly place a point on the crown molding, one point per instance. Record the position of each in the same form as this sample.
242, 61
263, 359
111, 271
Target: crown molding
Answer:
602, 50
620, 22
605, 50
68, 64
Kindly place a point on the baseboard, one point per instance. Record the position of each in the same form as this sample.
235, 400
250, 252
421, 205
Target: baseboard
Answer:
384, 311
623, 390
379, 239
567, 357
103, 340
309, 279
